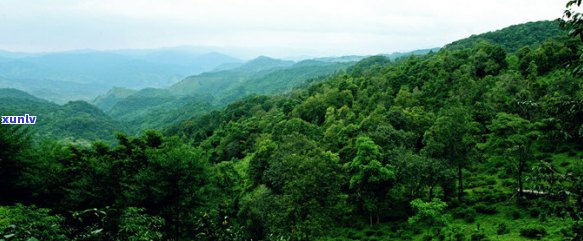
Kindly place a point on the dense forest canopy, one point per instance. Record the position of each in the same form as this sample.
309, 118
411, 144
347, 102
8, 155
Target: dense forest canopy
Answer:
481, 140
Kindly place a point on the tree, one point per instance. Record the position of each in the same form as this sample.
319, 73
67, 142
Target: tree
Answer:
136, 226
431, 213
369, 176
451, 138
511, 138
573, 21
14, 141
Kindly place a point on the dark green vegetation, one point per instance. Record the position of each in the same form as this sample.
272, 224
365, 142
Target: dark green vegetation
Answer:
468, 143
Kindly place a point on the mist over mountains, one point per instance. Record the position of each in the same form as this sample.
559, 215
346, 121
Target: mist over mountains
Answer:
83, 75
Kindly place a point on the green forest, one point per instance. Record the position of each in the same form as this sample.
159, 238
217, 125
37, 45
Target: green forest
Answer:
479, 140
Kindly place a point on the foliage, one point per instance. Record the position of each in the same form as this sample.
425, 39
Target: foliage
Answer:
533, 232
30, 223
431, 213
351, 155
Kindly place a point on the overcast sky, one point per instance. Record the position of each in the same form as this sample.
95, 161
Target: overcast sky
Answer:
246, 28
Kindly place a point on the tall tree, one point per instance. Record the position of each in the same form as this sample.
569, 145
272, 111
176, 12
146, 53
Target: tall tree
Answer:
14, 140
369, 176
451, 138
511, 137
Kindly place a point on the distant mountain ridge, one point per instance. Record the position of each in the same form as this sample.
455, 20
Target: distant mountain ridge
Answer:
61, 76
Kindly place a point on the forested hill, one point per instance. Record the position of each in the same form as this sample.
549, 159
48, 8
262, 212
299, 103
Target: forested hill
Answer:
444, 140
76, 121
514, 37
468, 143
262, 75
197, 95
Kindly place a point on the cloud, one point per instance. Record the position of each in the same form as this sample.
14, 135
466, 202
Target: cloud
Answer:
323, 27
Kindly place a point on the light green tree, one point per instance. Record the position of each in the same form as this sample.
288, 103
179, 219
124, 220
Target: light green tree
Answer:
369, 176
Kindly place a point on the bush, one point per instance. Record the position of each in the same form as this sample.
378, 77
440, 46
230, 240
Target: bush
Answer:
427, 237
502, 229
478, 237
508, 183
534, 212
577, 229
470, 219
467, 214
564, 163
533, 232
485, 209
515, 215
30, 223
459, 237
491, 181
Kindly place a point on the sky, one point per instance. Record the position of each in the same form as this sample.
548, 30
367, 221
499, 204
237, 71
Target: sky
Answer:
247, 28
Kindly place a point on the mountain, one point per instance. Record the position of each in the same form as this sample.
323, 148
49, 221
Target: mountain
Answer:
440, 143
156, 109
513, 37
90, 73
261, 75
112, 97
75, 120
200, 94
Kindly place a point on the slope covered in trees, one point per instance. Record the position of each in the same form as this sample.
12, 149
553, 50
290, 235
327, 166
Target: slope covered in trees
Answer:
514, 37
468, 143
74, 121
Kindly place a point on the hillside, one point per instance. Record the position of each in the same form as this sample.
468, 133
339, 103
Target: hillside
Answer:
433, 131
262, 75
157, 108
476, 142
75, 121
514, 37
200, 94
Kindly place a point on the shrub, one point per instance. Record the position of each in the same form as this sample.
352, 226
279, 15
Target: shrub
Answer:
502, 229
467, 214
564, 163
478, 237
427, 237
485, 209
533, 232
515, 215
459, 237
534, 212
491, 181
508, 183
470, 219
577, 229
30, 223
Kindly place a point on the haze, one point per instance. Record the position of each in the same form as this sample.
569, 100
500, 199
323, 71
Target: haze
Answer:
282, 28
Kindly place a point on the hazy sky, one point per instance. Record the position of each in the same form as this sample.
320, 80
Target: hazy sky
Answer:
280, 28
